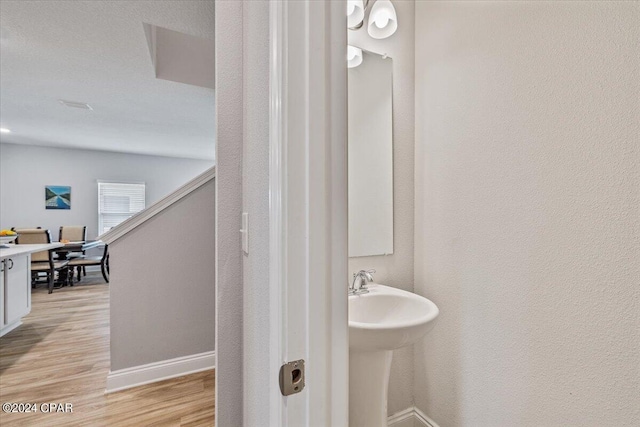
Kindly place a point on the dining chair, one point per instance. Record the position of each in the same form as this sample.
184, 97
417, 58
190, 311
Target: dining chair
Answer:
73, 233
102, 261
19, 229
43, 261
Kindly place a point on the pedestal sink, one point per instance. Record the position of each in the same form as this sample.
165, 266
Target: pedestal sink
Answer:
380, 321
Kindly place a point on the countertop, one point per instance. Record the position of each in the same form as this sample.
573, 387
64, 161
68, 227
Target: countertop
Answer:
15, 250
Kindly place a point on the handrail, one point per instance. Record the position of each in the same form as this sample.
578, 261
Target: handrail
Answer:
146, 214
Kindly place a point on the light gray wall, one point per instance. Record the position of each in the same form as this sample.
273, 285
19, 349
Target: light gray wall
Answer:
162, 287
229, 123
255, 184
527, 212
397, 269
26, 169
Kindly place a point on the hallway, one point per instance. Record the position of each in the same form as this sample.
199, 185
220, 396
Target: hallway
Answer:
61, 354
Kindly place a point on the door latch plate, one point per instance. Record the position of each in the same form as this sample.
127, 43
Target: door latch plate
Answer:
292, 377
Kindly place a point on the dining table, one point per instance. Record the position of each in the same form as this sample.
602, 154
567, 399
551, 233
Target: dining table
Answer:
65, 277
80, 246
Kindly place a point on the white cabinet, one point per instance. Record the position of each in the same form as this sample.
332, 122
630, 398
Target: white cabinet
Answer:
15, 291
15, 283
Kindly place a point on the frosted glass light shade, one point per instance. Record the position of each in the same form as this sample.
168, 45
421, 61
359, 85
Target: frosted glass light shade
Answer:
354, 56
383, 21
355, 12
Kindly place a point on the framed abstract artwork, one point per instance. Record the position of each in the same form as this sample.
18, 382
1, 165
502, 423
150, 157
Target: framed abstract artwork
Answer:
57, 197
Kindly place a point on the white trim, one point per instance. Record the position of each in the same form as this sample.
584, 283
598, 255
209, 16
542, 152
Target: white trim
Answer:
277, 201
158, 371
308, 210
423, 419
337, 253
404, 418
138, 219
410, 417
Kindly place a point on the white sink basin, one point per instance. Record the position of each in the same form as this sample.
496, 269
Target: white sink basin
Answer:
388, 318
380, 321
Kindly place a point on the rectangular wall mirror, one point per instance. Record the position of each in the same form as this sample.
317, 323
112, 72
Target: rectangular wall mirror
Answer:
370, 148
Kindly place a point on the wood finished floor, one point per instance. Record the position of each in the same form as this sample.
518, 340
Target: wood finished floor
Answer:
61, 354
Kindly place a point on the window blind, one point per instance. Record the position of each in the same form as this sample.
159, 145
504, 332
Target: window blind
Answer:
118, 201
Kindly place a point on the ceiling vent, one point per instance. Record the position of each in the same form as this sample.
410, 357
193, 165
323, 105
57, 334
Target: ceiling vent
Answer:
72, 104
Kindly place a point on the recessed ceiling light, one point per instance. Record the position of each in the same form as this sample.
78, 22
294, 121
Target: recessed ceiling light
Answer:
74, 104
5, 130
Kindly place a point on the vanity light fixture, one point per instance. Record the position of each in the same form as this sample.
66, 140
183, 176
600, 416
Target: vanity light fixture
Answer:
5, 130
354, 56
355, 13
383, 20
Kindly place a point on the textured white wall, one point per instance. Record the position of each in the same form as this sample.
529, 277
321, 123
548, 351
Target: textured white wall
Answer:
255, 184
397, 269
229, 115
527, 222
26, 169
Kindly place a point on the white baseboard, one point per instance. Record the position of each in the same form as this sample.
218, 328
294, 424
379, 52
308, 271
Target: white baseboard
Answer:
404, 418
410, 417
158, 371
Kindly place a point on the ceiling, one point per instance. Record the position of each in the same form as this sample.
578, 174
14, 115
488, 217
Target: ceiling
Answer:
96, 52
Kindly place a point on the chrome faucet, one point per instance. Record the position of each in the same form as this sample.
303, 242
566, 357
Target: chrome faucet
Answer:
360, 281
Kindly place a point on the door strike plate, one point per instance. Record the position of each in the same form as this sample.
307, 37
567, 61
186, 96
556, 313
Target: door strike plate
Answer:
292, 377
